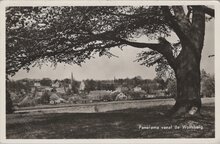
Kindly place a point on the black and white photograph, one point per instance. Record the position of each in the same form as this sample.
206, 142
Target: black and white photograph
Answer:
114, 71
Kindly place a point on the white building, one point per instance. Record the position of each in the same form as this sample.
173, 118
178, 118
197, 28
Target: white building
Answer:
56, 84
37, 84
137, 89
82, 86
60, 90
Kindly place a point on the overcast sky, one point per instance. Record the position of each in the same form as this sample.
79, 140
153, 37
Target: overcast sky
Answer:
122, 67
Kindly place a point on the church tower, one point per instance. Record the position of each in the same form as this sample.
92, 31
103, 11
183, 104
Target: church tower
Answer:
71, 82
71, 78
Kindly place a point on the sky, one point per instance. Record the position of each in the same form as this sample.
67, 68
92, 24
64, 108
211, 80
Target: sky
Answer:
104, 68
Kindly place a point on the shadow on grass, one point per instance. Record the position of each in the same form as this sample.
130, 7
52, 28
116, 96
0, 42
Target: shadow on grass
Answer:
130, 123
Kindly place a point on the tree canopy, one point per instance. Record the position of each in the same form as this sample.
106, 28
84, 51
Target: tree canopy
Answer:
73, 34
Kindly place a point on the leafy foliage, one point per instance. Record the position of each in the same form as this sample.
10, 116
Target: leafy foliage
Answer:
172, 87
163, 69
17, 86
36, 35
46, 82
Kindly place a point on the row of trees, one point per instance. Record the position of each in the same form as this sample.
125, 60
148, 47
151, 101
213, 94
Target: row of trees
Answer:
17, 86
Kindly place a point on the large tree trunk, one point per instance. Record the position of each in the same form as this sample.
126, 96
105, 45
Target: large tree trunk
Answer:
188, 101
187, 68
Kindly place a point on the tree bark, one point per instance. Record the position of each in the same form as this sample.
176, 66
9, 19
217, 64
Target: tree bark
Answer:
187, 72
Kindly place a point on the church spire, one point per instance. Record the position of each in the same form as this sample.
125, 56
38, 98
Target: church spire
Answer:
71, 78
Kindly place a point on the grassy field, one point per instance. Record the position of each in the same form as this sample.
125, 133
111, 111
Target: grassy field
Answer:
129, 123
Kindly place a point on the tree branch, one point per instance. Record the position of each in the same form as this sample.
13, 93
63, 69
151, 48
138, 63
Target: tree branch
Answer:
164, 48
198, 26
189, 12
178, 12
209, 11
152, 46
182, 19
174, 22
211, 56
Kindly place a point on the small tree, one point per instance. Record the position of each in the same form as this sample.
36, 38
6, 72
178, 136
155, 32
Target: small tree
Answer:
171, 87
45, 99
161, 82
207, 84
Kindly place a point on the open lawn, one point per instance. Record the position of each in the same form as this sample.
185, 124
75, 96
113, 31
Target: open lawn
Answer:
129, 123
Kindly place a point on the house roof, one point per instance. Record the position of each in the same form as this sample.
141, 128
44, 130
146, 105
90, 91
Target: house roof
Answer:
56, 81
54, 96
121, 95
